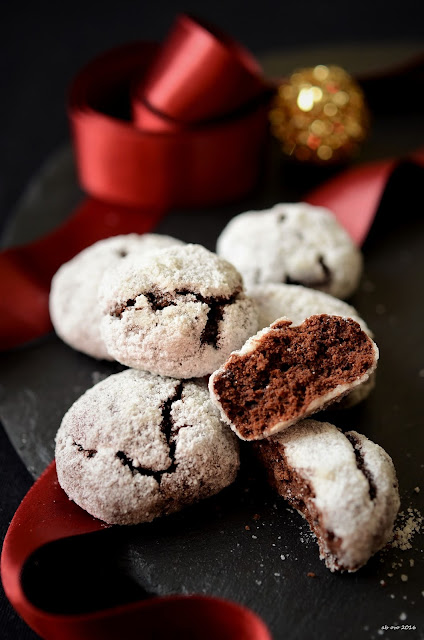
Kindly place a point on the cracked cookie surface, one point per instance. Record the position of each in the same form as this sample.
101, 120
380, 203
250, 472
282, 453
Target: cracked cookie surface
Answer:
180, 312
298, 303
343, 484
288, 372
73, 304
292, 244
137, 446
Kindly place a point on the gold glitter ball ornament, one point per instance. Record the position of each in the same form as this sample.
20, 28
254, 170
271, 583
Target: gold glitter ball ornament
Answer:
320, 116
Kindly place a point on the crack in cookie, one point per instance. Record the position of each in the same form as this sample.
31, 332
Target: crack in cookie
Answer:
168, 425
159, 301
127, 462
360, 463
89, 453
170, 431
317, 284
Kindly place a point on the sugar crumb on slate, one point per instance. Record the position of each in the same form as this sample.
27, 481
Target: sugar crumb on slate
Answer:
409, 523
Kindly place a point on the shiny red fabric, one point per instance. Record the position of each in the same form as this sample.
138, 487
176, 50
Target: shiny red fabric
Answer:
45, 515
155, 162
218, 75
354, 195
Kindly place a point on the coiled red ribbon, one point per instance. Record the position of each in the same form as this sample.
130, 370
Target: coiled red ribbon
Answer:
199, 108
46, 515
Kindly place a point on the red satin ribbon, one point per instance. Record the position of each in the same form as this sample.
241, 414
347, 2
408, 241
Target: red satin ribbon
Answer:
46, 514
201, 149
354, 195
218, 75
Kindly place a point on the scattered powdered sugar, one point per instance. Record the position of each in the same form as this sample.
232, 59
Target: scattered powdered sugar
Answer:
409, 523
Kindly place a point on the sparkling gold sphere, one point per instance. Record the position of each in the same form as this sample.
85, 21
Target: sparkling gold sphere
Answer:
320, 116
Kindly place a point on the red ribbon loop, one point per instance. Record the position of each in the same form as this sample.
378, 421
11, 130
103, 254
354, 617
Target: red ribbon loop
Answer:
45, 515
161, 164
199, 74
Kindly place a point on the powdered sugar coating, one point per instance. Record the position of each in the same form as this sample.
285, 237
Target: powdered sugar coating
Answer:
275, 300
74, 311
293, 243
137, 446
325, 459
254, 344
179, 312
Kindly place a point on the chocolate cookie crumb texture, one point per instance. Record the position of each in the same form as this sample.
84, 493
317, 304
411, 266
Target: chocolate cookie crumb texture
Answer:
137, 446
293, 244
343, 484
178, 313
296, 303
286, 373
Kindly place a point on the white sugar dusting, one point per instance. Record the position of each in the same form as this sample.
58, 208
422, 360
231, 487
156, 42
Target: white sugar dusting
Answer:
409, 523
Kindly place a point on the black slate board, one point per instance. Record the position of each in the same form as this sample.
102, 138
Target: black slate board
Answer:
207, 548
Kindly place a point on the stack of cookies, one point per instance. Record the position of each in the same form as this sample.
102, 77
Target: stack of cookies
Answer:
156, 437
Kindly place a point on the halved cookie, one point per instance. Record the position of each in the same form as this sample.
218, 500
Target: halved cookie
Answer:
276, 300
286, 373
343, 484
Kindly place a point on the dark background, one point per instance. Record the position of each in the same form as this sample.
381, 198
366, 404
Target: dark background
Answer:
42, 45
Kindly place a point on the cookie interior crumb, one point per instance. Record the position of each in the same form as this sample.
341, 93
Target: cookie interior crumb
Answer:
290, 367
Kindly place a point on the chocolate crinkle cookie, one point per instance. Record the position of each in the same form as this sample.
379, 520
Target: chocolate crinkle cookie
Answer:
137, 446
286, 373
298, 303
343, 484
179, 312
293, 244
74, 311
